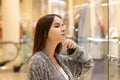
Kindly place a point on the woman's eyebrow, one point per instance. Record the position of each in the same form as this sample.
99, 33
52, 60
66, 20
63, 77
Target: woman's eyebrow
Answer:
58, 24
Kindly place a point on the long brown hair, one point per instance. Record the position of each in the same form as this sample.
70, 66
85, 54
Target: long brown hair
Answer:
41, 33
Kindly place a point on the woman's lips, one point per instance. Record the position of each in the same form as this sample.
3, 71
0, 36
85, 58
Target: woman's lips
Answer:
63, 34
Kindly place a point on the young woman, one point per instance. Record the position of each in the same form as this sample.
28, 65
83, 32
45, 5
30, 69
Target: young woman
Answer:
47, 63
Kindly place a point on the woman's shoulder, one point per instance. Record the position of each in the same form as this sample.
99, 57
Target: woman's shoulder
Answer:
37, 58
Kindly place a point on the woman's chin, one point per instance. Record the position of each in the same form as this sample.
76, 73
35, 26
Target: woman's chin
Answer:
62, 39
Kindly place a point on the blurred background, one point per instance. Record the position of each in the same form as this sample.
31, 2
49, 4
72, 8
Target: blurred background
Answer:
93, 24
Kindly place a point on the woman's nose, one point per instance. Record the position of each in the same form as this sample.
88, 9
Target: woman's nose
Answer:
63, 28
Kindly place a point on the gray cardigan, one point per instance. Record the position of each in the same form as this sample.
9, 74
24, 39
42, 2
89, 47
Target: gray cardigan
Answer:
41, 67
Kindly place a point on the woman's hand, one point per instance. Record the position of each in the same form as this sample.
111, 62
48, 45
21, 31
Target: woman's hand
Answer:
69, 44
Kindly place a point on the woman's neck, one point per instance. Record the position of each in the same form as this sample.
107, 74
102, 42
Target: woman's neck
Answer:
50, 48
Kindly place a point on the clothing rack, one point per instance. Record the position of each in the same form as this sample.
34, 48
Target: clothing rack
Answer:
111, 3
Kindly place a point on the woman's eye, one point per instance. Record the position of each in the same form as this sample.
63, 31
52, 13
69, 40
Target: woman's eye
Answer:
56, 26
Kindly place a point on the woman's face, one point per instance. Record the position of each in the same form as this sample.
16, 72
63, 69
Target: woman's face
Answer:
57, 32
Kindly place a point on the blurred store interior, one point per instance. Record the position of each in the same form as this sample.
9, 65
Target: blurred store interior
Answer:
93, 24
